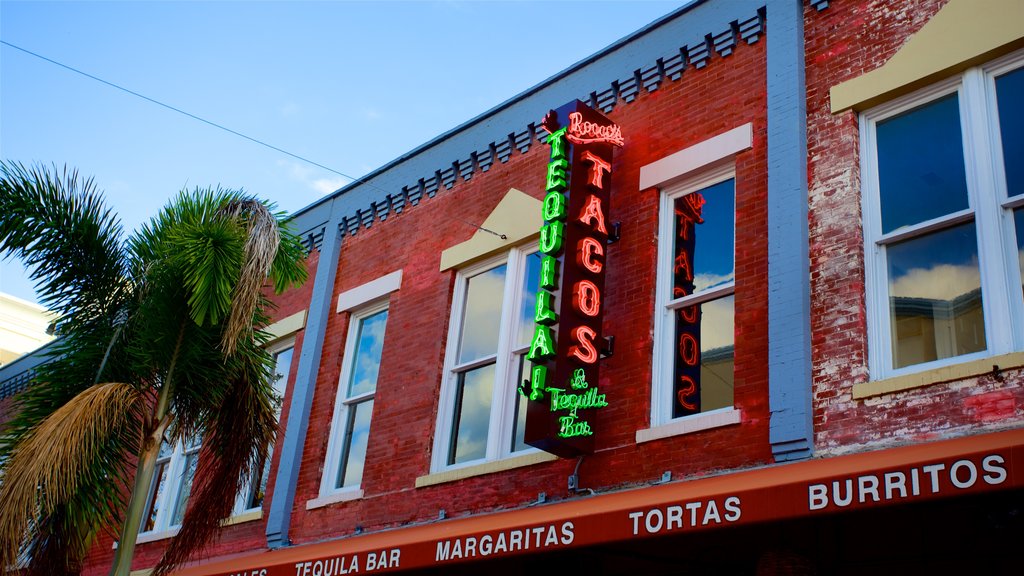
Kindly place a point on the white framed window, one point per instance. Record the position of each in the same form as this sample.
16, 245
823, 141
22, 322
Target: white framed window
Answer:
350, 430
943, 203
171, 486
252, 495
481, 415
695, 300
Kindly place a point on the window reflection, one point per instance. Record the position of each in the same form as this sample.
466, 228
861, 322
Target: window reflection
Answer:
935, 296
350, 473
1018, 220
1010, 94
482, 316
369, 346
921, 172
472, 415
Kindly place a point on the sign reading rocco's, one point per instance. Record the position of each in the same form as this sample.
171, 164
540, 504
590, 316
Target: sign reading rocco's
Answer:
565, 349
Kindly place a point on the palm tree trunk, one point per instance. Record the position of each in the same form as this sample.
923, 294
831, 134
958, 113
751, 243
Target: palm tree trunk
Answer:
148, 454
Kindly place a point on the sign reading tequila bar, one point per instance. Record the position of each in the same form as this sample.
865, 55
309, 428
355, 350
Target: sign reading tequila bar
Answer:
564, 352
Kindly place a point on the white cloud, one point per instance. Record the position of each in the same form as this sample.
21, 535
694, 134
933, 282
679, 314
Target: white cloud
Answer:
307, 176
942, 282
290, 109
327, 185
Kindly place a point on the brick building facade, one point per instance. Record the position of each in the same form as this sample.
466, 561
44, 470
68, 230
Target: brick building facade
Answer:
857, 396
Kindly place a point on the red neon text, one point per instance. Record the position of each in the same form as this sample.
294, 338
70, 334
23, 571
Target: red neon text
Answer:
586, 299
585, 350
597, 170
593, 215
586, 252
582, 132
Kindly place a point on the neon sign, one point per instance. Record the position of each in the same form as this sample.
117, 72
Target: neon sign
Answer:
687, 366
564, 351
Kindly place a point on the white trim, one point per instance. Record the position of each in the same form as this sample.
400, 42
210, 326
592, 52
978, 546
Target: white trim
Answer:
370, 291
696, 157
690, 424
503, 395
343, 403
155, 535
664, 305
347, 495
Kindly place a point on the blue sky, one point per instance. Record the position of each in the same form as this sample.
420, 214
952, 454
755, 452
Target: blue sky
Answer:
350, 85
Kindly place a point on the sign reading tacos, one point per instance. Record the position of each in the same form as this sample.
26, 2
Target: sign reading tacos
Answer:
564, 351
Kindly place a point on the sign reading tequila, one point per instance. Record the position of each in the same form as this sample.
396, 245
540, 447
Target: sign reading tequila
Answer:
564, 352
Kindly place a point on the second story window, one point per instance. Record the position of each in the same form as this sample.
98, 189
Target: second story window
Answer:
694, 352
481, 416
944, 221
361, 365
253, 494
171, 486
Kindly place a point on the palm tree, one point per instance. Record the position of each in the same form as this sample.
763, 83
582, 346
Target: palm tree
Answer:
159, 341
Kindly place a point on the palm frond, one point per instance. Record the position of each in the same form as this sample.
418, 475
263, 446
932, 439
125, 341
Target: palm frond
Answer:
239, 430
261, 242
48, 468
55, 222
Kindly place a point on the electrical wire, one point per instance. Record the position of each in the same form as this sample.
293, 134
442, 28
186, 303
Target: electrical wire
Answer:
215, 125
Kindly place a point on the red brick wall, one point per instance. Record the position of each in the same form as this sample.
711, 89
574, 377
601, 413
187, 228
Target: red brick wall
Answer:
406, 404
728, 93
843, 42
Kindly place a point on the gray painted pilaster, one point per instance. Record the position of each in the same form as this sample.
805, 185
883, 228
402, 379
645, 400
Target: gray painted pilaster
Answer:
291, 448
789, 301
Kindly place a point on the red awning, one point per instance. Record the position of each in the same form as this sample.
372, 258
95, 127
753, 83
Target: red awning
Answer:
895, 476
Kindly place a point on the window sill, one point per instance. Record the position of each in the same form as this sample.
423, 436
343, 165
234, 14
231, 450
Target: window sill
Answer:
485, 468
154, 536
328, 499
690, 424
937, 375
243, 517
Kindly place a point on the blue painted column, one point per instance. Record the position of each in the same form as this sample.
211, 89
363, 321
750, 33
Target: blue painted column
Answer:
789, 302
291, 448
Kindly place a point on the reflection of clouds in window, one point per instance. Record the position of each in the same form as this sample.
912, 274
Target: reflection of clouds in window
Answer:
474, 414
359, 438
941, 282
529, 299
367, 362
482, 316
706, 281
716, 324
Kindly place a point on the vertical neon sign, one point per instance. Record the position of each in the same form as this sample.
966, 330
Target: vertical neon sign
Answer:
686, 392
564, 352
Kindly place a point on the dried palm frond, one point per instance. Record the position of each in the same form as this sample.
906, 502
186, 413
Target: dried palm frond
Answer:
262, 240
45, 468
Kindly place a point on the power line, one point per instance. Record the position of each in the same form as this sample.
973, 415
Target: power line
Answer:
190, 115
215, 125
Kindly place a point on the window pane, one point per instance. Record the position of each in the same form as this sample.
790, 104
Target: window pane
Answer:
482, 315
369, 344
258, 483
705, 337
935, 296
357, 435
184, 487
1018, 220
472, 415
1010, 95
921, 164
528, 300
519, 432
155, 492
704, 239
282, 366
